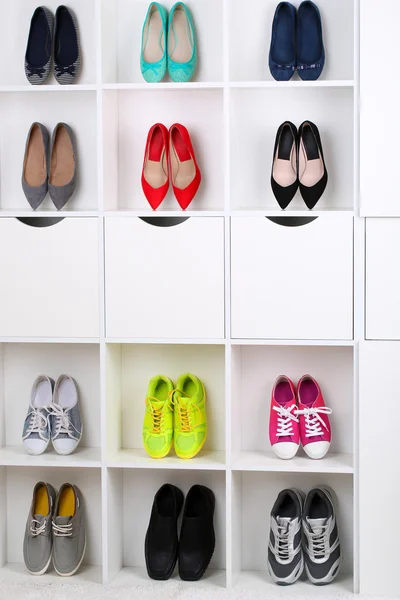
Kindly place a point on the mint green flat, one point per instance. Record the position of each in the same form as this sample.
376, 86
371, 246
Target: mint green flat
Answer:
182, 48
153, 57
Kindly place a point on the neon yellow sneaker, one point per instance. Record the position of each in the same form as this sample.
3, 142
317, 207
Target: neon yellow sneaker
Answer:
190, 421
159, 417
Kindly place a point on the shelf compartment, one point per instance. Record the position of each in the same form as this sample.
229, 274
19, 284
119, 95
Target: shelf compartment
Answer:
21, 364
254, 371
130, 495
14, 34
122, 23
127, 118
18, 111
249, 59
16, 500
253, 134
253, 496
129, 368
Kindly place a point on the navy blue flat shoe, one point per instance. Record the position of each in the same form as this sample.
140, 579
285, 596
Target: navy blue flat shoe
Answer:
282, 54
310, 45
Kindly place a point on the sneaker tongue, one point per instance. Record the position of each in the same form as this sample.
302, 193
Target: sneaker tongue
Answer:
157, 405
62, 520
283, 522
39, 518
317, 525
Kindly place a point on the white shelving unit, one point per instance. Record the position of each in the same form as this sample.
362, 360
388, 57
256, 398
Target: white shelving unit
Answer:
133, 309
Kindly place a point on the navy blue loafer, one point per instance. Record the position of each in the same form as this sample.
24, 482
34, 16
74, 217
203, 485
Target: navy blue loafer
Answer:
282, 54
310, 45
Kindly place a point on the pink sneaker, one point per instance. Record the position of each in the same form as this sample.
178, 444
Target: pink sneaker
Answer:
284, 433
315, 429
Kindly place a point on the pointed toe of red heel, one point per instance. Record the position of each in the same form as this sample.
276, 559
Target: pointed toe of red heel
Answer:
185, 173
155, 175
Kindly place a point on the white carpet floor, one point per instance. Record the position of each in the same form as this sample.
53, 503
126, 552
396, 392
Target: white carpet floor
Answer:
170, 590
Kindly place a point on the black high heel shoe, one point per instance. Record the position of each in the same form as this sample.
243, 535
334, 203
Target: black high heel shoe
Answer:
313, 175
284, 181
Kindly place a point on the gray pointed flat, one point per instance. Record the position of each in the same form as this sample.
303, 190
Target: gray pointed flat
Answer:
35, 169
62, 178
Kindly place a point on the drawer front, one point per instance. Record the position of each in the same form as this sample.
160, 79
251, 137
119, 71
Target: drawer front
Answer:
49, 278
165, 277
292, 278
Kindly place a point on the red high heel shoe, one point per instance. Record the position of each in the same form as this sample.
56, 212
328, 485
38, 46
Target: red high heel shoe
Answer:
185, 173
155, 175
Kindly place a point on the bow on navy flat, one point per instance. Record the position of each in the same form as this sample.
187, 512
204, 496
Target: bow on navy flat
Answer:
310, 45
282, 54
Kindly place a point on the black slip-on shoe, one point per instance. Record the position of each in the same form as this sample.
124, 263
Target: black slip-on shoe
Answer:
67, 52
313, 176
197, 540
39, 46
284, 181
161, 543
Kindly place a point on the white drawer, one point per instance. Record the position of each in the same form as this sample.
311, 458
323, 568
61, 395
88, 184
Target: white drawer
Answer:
292, 280
165, 280
49, 278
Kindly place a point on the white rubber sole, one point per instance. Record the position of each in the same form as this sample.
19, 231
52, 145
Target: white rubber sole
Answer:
290, 579
76, 568
73, 449
36, 453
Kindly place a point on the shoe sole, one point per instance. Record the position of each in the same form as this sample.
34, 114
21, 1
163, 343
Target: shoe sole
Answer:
36, 453
76, 568
329, 578
73, 449
202, 443
163, 455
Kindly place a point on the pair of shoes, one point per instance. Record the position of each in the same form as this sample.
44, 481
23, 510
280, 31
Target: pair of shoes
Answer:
196, 545
55, 529
53, 412
49, 167
168, 42
175, 415
170, 154
304, 533
67, 54
298, 162
296, 42
301, 417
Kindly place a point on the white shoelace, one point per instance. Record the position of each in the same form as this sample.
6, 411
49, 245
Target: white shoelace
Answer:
285, 420
283, 540
314, 422
62, 530
63, 422
38, 422
37, 528
319, 541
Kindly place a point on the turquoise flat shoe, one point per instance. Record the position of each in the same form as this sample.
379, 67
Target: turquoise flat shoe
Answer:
153, 57
182, 49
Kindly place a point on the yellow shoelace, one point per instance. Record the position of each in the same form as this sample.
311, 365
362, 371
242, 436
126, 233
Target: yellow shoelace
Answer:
157, 413
184, 413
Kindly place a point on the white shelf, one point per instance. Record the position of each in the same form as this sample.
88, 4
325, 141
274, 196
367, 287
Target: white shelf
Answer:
293, 84
262, 461
15, 456
138, 459
264, 342
259, 581
174, 341
190, 85
38, 89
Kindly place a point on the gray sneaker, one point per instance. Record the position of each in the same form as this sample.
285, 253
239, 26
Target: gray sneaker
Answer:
38, 539
66, 421
36, 431
69, 537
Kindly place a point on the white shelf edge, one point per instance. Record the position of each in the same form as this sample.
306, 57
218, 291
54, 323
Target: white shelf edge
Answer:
272, 342
190, 85
47, 340
48, 213
343, 83
171, 341
163, 213
40, 89
271, 212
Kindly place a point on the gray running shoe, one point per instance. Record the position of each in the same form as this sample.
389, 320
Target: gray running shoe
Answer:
38, 540
36, 432
285, 554
66, 421
69, 537
321, 537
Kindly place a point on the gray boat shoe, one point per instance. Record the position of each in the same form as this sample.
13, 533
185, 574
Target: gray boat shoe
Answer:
38, 540
36, 165
62, 178
69, 536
